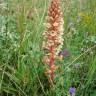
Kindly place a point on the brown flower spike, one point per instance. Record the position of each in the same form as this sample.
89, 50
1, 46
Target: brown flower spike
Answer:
53, 40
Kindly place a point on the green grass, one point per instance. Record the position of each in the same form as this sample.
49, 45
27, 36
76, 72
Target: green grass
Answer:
21, 65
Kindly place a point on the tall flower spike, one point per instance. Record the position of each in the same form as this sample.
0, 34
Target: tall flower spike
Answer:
53, 40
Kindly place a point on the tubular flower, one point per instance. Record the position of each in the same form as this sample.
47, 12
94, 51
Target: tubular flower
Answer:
72, 91
53, 40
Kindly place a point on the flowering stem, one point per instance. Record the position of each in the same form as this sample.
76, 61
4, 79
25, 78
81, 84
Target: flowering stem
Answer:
51, 62
53, 38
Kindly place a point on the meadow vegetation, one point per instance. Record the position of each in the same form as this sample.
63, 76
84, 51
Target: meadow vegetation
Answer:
22, 23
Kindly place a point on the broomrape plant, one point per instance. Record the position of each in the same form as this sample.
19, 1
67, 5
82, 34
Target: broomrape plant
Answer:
53, 40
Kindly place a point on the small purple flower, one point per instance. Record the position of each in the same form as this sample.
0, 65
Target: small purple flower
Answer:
64, 53
72, 91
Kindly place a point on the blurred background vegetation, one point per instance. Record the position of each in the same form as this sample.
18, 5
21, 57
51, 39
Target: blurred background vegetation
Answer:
21, 65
